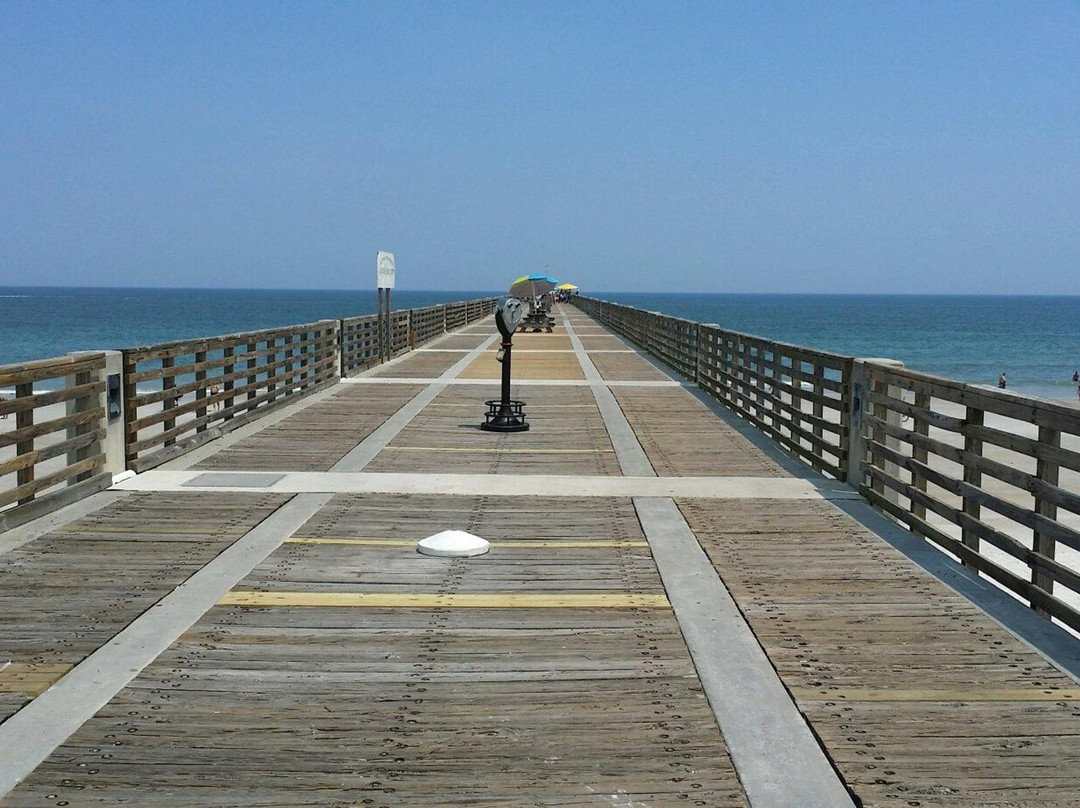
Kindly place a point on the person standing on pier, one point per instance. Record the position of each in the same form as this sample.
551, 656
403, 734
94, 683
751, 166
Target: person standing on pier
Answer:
1001, 381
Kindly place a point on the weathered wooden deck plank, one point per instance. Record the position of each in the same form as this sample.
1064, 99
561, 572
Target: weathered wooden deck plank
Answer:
623, 366
567, 436
892, 668
318, 705
69, 592
683, 438
318, 436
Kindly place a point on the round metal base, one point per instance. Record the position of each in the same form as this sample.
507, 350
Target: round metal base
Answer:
505, 417
509, 425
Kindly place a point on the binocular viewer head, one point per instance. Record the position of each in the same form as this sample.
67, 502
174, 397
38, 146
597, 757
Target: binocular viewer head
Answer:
508, 315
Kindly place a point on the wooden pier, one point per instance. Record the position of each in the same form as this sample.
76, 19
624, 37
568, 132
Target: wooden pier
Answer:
672, 613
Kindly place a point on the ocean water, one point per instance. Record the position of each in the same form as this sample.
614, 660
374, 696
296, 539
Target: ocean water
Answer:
1035, 340
42, 322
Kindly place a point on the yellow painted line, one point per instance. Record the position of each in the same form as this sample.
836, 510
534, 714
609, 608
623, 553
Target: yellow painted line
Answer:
494, 542
30, 679
471, 405
395, 600
488, 450
982, 694
75, 528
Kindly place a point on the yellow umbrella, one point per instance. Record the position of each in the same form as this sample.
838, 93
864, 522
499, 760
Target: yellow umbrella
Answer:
566, 286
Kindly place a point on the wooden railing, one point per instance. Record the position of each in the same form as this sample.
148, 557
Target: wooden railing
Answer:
457, 315
428, 323
53, 452
991, 477
987, 475
178, 395
175, 396
409, 328
798, 396
359, 343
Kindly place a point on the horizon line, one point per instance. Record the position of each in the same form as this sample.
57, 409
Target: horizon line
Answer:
495, 293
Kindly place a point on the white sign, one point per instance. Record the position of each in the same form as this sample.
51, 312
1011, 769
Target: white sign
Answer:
384, 265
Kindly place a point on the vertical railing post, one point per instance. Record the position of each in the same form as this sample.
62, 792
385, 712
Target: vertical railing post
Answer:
24, 419
168, 402
227, 369
130, 410
252, 377
1047, 472
704, 346
972, 476
200, 391
339, 342
271, 364
112, 444
919, 453
819, 391
862, 384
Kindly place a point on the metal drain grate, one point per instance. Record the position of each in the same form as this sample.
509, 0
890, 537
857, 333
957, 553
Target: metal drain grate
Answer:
242, 480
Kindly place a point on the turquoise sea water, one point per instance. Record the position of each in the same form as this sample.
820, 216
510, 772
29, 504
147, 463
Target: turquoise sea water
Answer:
41, 322
1035, 340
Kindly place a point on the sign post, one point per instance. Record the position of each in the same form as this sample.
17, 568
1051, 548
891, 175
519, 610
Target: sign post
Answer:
384, 278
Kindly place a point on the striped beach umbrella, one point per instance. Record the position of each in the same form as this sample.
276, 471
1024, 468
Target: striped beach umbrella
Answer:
532, 285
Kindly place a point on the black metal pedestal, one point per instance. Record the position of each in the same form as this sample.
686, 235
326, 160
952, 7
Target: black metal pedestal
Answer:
505, 415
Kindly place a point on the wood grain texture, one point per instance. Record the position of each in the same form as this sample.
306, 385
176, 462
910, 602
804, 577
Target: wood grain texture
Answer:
318, 436
916, 694
566, 436
72, 590
405, 707
683, 438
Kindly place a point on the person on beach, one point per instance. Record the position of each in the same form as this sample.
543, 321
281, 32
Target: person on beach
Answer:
215, 388
1001, 381
1076, 375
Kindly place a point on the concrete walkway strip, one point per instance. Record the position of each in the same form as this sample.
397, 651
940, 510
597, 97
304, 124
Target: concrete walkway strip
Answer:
779, 762
364, 452
777, 757
35, 732
546, 485
632, 458
518, 382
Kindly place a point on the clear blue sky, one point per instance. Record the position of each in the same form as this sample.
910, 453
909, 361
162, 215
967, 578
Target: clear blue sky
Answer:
639, 146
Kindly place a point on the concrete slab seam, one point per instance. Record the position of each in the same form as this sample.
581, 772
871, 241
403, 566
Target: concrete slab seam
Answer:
38, 729
633, 461
776, 755
364, 452
17, 537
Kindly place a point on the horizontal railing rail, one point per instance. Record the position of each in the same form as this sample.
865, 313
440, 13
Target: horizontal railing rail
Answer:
991, 477
798, 396
178, 395
359, 343
53, 452
428, 323
79, 419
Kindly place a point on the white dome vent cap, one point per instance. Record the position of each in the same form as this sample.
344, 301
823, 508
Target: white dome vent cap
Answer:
453, 544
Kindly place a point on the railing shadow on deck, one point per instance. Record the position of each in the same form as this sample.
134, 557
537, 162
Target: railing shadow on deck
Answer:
990, 477
81, 418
